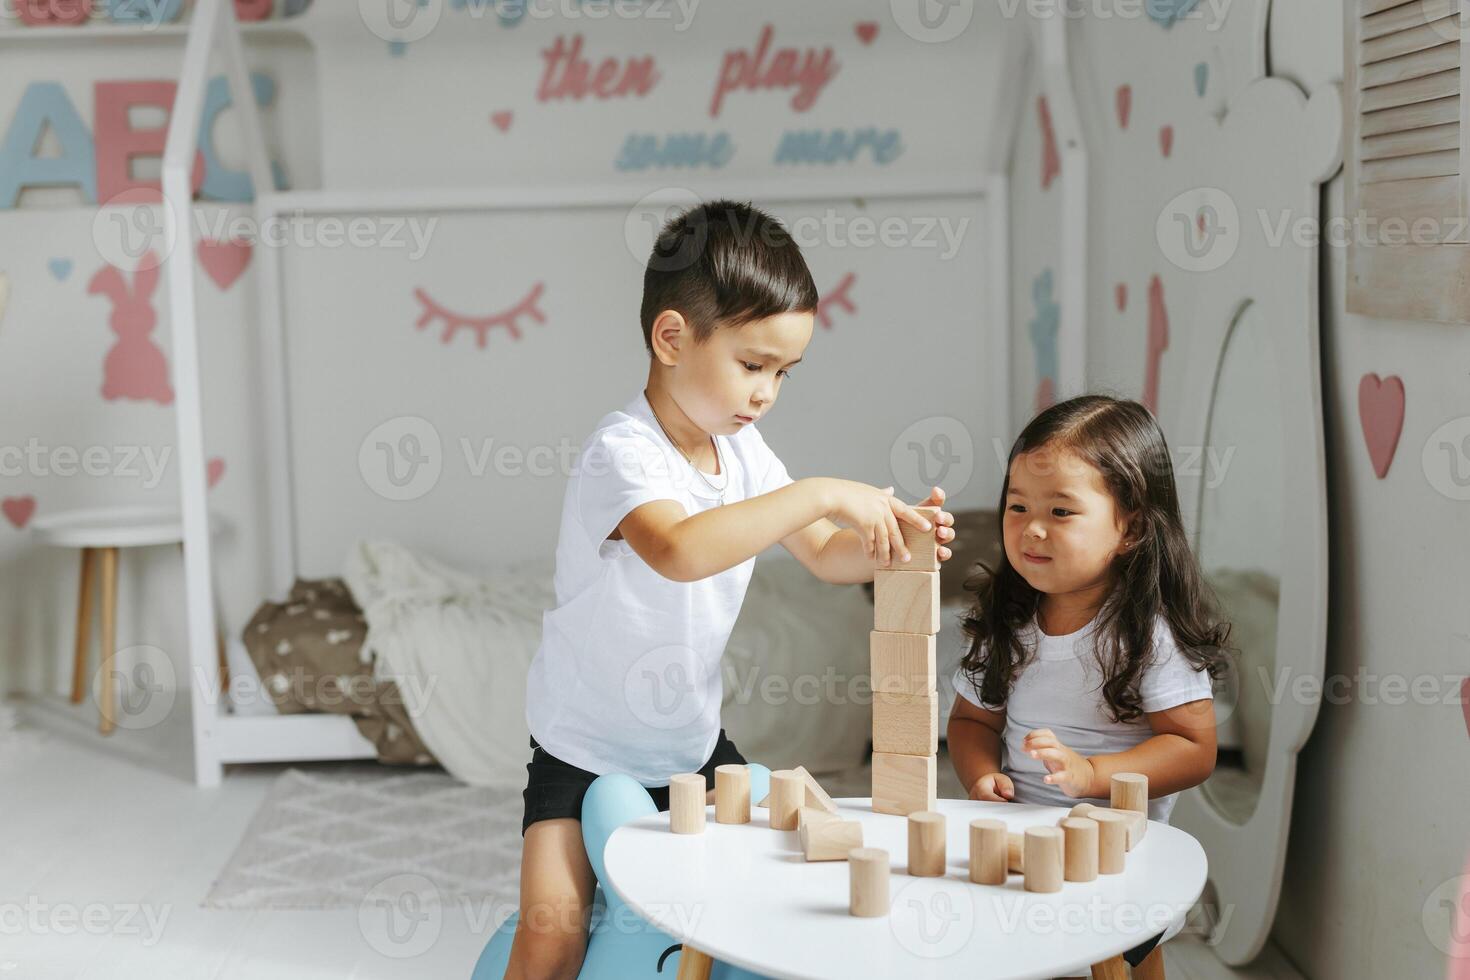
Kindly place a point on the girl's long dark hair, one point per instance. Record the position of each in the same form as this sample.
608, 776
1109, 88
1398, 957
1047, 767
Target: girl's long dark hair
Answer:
1157, 576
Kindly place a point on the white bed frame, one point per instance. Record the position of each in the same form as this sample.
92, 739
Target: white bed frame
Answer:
220, 736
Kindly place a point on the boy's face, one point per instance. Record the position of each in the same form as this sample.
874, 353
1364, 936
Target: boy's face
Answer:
733, 378
1061, 528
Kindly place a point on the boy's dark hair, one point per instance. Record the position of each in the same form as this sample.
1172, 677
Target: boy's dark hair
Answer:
1159, 575
724, 263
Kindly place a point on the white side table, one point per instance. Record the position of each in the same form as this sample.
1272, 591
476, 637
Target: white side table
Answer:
742, 893
100, 533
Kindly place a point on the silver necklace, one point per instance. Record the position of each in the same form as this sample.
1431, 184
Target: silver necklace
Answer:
719, 460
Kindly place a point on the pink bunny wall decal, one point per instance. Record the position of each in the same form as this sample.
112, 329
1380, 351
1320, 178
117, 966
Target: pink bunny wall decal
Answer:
134, 367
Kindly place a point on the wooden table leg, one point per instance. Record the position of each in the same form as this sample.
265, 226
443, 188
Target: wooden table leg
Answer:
1152, 967
107, 692
694, 965
84, 625
1110, 969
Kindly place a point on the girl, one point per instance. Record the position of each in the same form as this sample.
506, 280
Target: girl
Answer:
1094, 641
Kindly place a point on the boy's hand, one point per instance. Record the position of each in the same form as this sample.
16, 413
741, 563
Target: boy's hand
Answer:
1068, 771
945, 520
874, 513
995, 787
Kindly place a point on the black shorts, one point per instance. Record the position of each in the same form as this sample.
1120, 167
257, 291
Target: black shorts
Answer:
555, 788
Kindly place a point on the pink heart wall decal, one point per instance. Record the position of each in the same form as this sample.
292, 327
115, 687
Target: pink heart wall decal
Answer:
1125, 105
214, 470
502, 119
1381, 413
18, 510
224, 261
866, 31
1166, 141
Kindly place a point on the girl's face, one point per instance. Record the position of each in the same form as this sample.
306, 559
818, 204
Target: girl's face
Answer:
1062, 529
733, 378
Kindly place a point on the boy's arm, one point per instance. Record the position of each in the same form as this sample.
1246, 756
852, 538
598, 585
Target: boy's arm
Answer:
687, 548
837, 556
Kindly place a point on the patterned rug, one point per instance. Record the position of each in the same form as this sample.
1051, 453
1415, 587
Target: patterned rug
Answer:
328, 841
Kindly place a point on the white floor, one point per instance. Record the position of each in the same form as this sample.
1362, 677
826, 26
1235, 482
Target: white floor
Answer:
107, 851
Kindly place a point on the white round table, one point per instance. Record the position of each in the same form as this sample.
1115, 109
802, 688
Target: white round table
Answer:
100, 532
744, 894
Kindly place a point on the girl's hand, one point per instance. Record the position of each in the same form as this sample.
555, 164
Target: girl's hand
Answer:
945, 522
995, 787
1068, 771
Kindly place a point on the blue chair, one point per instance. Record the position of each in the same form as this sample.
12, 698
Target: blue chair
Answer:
621, 945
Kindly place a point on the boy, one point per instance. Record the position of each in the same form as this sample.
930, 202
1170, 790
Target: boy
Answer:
673, 498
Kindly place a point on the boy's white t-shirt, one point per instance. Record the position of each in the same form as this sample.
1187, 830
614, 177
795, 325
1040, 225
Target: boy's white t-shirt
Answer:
1060, 688
627, 676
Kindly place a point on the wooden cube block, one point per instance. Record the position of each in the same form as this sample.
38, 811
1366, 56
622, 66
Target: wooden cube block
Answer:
923, 546
903, 784
906, 724
831, 839
902, 663
906, 602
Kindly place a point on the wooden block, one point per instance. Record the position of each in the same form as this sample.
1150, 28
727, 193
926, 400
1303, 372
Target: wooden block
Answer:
1130, 792
902, 663
1112, 839
989, 864
815, 795
1043, 859
1137, 822
1015, 853
923, 546
1079, 848
906, 602
732, 794
903, 784
788, 794
906, 724
926, 844
686, 803
811, 814
868, 882
829, 839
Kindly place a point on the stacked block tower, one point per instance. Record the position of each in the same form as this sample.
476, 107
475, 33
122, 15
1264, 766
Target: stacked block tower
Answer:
905, 696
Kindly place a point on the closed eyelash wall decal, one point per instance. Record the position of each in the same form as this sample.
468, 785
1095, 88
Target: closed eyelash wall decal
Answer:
480, 325
841, 295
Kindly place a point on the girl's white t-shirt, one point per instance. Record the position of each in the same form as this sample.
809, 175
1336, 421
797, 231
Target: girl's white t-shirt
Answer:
627, 676
1060, 688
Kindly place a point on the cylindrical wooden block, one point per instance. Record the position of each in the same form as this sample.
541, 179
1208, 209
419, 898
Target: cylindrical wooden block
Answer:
926, 844
1079, 846
868, 876
1043, 859
1015, 852
732, 794
788, 792
988, 858
686, 803
1112, 840
1130, 792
